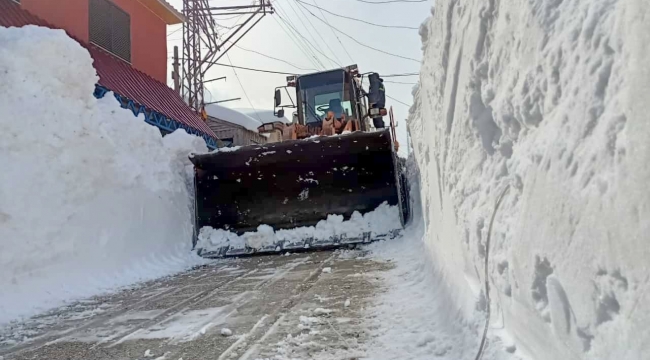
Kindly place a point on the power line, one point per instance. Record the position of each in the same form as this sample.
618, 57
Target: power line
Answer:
401, 102
230, 65
359, 20
243, 90
391, 1
297, 43
175, 31
272, 71
310, 33
339, 63
249, 69
398, 75
301, 38
362, 44
308, 44
273, 58
398, 82
312, 46
334, 33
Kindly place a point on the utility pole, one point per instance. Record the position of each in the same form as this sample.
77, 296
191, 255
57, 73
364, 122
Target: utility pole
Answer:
175, 74
202, 46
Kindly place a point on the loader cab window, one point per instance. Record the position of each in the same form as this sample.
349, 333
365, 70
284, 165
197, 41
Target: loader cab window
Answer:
323, 92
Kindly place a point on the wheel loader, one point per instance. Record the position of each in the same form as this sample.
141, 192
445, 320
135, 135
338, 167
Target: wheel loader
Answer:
336, 157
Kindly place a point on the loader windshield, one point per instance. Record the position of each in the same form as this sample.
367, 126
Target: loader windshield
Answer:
323, 92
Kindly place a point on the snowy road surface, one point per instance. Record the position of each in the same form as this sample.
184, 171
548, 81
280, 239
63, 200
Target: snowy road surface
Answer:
292, 306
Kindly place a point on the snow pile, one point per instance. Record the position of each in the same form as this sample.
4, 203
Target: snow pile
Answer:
379, 222
548, 99
233, 116
91, 198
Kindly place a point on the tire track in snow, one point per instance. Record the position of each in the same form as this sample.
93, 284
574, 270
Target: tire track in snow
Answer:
48, 338
51, 338
276, 316
296, 298
172, 311
202, 297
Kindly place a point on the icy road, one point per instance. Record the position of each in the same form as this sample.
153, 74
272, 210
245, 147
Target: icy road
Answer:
292, 306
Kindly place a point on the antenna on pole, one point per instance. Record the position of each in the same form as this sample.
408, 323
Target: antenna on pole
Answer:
203, 45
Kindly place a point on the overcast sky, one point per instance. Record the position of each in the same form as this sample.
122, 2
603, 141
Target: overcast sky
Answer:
270, 37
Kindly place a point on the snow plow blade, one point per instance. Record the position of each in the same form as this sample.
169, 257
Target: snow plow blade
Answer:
296, 184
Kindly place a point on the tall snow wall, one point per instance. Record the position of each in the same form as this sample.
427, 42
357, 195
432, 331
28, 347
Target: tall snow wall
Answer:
91, 198
547, 100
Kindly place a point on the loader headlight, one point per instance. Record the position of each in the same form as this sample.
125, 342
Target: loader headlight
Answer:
374, 112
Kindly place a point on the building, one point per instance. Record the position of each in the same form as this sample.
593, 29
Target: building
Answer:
233, 127
128, 41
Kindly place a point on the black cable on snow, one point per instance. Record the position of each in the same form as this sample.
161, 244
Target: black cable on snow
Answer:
487, 281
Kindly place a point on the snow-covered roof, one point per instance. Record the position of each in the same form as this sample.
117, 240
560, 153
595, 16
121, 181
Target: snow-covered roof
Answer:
266, 116
233, 116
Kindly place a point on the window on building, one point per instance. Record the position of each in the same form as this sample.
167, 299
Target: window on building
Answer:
110, 28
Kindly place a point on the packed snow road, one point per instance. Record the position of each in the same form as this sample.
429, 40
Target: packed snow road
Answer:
294, 306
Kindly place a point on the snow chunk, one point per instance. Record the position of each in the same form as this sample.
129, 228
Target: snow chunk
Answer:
322, 311
327, 270
148, 353
378, 222
228, 149
226, 332
217, 238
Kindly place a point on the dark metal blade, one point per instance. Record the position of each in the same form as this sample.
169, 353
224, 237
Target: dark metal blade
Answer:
295, 183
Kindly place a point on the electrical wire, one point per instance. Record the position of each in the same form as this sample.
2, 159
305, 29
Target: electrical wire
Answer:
312, 46
399, 75
174, 32
362, 44
244, 90
359, 20
399, 82
301, 38
297, 43
229, 18
334, 33
481, 348
310, 34
401, 102
273, 58
339, 62
293, 39
249, 69
307, 44
281, 72
391, 1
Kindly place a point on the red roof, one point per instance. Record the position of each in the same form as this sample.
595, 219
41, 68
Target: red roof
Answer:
118, 76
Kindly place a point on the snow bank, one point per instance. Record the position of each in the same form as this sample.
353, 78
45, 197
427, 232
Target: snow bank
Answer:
550, 100
250, 122
414, 316
379, 222
91, 198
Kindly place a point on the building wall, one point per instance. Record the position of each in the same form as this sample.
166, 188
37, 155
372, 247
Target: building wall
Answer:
148, 39
148, 31
71, 15
240, 135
